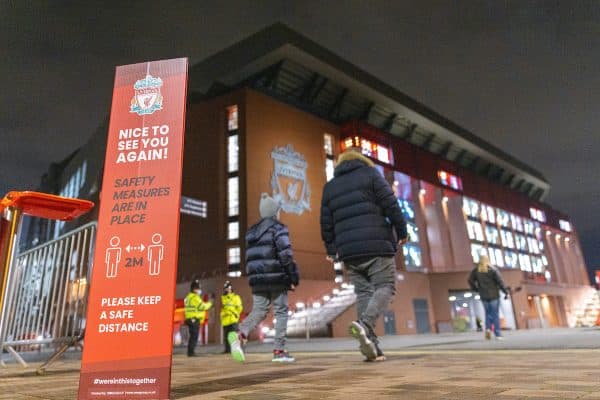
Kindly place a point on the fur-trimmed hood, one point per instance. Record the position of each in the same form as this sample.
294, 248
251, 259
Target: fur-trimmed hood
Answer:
351, 160
354, 155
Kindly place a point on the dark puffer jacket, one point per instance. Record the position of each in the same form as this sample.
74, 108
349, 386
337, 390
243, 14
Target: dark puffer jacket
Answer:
359, 210
269, 259
487, 284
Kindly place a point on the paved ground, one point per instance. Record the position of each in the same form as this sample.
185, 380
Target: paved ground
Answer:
430, 367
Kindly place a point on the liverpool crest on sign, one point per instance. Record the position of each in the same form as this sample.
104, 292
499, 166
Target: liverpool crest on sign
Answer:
147, 98
288, 182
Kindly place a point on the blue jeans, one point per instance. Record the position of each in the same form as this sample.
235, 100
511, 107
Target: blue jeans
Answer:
492, 316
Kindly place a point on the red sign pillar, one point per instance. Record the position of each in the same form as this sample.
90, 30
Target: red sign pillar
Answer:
128, 334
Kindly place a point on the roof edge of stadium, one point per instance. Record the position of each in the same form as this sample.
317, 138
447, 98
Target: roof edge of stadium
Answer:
277, 42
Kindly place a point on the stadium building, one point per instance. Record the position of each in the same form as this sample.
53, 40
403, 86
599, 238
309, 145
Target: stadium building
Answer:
271, 113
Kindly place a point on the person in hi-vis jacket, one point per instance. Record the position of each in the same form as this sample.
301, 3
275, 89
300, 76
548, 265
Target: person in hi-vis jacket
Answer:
194, 313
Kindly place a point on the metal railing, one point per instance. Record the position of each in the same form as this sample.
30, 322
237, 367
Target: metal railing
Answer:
47, 293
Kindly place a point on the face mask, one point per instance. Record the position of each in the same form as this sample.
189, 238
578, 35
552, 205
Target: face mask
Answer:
198, 291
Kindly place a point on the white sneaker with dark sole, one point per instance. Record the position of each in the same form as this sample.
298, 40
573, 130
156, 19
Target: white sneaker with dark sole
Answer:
367, 347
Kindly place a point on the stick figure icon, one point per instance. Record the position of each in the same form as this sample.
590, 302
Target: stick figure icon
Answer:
113, 257
155, 254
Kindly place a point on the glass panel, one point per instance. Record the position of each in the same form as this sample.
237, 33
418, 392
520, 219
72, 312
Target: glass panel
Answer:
491, 234
328, 144
232, 118
233, 192
233, 230
233, 255
232, 154
329, 168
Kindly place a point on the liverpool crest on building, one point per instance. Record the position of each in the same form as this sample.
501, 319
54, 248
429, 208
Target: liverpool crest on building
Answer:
288, 182
147, 98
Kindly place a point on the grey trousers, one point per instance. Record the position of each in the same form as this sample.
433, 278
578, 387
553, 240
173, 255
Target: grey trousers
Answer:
260, 307
374, 283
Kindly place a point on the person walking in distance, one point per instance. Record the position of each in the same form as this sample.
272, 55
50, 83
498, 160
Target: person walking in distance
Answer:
231, 309
194, 314
362, 225
487, 281
271, 271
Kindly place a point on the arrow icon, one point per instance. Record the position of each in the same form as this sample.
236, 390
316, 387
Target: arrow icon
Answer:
129, 247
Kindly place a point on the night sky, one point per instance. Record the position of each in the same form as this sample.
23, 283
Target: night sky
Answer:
521, 75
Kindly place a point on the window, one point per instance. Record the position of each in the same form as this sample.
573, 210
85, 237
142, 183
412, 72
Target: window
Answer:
507, 239
538, 215
517, 222
533, 245
407, 209
529, 227
233, 192
524, 262
329, 166
565, 225
233, 230
233, 256
412, 255
474, 230
233, 152
476, 251
521, 242
450, 180
491, 235
470, 208
369, 148
511, 259
413, 232
232, 118
503, 218
496, 257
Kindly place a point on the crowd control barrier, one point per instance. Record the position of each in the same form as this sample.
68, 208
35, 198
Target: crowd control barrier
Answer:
44, 289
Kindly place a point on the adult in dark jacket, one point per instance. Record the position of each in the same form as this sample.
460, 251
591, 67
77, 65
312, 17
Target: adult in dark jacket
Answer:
271, 273
361, 225
487, 281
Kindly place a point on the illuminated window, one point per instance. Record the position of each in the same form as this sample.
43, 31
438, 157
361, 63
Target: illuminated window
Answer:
329, 169
476, 250
521, 242
529, 227
503, 218
233, 230
233, 193
232, 153
328, 144
533, 245
383, 154
565, 225
232, 118
233, 256
538, 215
507, 239
525, 262
329, 165
413, 232
491, 235
450, 180
369, 148
412, 255
536, 265
517, 222
496, 258
474, 230
511, 259
470, 207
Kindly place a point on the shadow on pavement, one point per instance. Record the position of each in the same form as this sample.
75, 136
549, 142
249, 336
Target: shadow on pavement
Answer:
235, 382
